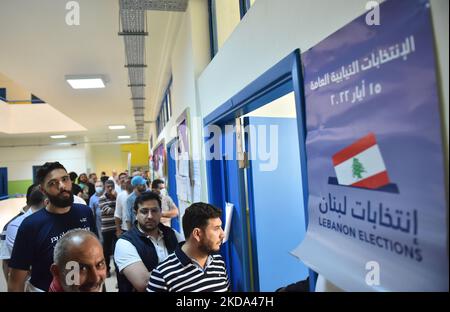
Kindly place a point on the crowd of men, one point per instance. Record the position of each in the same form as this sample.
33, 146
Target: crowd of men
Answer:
70, 230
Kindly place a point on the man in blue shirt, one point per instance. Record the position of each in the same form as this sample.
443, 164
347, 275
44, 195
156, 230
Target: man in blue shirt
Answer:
140, 186
93, 204
39, 233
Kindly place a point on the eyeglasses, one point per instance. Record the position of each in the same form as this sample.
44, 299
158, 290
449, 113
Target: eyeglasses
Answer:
153, 211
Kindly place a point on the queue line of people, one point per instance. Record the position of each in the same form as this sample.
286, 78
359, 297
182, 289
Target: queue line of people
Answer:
60, 238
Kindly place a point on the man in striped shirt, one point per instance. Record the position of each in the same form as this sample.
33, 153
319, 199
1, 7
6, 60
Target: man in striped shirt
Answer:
107, 206
195, 265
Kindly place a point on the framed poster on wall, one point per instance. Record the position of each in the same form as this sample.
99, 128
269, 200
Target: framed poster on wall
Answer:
159, 161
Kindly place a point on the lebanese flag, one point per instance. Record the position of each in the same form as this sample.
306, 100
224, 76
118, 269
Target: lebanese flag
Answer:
361, 164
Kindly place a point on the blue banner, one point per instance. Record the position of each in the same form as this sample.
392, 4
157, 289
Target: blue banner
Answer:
377, 206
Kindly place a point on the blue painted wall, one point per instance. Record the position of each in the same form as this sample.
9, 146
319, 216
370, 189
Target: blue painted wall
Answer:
277, 209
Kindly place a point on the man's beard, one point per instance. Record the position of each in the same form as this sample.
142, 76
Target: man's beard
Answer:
206, 248
61, 201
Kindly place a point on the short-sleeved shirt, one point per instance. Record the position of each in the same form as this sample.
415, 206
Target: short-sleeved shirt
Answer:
11, 231
121, 209
166, 205
126, 254
181, 273
37, 237
5, 254
130, 207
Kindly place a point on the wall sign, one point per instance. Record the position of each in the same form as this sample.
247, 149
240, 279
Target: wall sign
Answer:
377, 202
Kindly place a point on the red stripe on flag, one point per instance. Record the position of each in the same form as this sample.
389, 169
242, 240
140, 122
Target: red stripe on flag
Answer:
354, 149
373, 182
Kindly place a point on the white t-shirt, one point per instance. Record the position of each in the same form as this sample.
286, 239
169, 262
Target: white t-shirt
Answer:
78, 200
126, 254
11, 233
121, 209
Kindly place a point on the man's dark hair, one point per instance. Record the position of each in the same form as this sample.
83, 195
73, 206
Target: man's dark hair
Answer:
46, 169
36, 198
30, 189
156, 183
121, 174
104, 179
146, 196
197, 216
73, 176
109, 182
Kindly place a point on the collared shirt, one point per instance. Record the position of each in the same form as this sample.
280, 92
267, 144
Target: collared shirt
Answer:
107, 205
159, 244
125, 253
181, 273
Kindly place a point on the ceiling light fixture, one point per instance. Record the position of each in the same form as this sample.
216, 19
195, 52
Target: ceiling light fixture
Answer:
123, 137
58, 136
86, 81
116, 127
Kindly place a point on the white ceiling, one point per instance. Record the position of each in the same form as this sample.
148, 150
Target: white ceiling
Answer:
38, 48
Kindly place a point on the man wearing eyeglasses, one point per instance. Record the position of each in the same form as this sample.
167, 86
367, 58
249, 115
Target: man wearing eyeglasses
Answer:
145, 245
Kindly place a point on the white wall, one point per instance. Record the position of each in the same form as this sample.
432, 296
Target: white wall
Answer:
273, 29
20, 160
189, 57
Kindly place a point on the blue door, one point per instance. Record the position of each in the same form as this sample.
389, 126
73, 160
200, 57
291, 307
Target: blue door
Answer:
35, 170
225, 185
245, 253
238, 247
3, 183
275, 196
171, 182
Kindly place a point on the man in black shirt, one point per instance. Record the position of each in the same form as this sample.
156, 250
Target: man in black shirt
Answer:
39, 233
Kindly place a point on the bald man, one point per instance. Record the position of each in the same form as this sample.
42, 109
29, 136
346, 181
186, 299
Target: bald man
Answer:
78, 263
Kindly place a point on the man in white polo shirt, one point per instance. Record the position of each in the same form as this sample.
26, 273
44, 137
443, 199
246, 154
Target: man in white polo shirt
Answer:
146, 244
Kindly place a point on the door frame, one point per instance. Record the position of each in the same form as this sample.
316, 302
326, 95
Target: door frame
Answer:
263, 90
4, 183
171, 182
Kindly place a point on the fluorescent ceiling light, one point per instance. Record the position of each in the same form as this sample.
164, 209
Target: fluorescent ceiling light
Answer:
59, 136
123, 137
116, 127
86, 82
